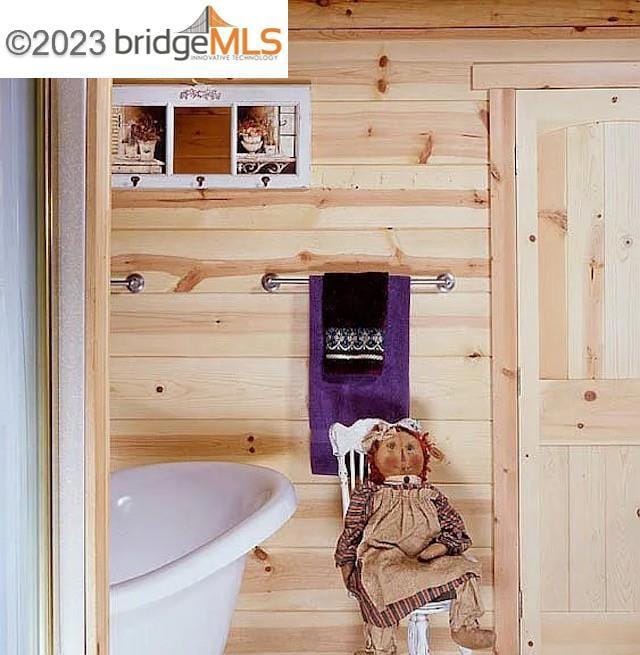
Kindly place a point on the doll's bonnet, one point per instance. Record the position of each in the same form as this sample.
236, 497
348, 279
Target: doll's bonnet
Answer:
384, 430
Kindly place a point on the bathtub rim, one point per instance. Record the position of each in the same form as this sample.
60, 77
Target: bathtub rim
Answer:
204, 561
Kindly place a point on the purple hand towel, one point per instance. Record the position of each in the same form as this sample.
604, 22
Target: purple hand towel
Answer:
348, 397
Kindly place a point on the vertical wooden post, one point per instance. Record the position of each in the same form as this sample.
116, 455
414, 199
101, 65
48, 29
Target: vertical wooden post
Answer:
98, 229
504, 368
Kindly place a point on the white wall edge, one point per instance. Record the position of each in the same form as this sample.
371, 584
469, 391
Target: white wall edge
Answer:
69, 506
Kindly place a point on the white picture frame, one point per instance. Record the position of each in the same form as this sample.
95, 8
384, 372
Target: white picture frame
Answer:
294, 114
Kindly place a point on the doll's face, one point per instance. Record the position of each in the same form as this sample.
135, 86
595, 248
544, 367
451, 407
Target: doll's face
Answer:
399, 454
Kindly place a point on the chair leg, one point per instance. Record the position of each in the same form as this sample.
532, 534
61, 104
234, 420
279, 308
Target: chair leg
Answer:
418, 636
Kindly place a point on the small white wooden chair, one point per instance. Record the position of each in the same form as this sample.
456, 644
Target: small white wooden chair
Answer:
346, 442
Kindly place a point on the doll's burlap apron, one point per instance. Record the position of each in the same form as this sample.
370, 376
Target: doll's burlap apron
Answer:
402, 524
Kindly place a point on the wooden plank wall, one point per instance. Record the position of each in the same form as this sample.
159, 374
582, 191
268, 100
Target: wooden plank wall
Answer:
206, 365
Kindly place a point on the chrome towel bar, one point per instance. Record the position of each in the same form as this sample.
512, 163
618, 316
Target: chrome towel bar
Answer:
444, 282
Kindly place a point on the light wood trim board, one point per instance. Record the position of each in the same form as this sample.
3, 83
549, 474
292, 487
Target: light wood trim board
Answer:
504, 367
556, 75
98, 235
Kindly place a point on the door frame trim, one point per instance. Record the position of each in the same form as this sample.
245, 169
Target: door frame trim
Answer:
504, 373
502, 81
96, 373
555, 75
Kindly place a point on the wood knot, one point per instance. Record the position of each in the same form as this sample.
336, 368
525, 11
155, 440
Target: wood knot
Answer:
495, 174
383, 62
260, 554
427, 150
382, 85
590, 396
479, 198
323, 3
369, 131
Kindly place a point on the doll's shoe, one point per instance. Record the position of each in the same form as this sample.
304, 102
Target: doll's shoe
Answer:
377, 651
379, 641
474, 638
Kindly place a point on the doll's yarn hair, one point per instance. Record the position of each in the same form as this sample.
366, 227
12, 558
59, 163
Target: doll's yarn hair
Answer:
429, 450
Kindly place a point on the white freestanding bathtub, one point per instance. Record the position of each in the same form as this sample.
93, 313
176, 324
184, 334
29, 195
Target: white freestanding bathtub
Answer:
180, 533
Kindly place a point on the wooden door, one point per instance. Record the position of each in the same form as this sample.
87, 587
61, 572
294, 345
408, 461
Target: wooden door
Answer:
578, 242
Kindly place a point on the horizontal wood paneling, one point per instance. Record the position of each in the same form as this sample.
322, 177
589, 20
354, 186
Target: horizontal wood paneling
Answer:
353, 15
434, 132
381, 70
553, 36
443, 179
318, 519
411, 64
284, 445
211, 245
441, 387
400, 184
201, 255
388, 182
306, 579
368, 73
343, 186
329, 633
358, 210
272, 325
346, 197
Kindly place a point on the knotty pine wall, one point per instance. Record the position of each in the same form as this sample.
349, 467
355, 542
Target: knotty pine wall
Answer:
205, 365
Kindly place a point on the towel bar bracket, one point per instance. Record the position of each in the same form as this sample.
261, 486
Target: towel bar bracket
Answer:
133, 283
445, 282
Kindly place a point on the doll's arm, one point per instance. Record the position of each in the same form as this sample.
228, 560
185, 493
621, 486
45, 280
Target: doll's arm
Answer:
432, 551
454, 536
354, 522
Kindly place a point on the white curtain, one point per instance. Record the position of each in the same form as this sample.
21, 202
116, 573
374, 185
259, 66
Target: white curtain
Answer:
19, 477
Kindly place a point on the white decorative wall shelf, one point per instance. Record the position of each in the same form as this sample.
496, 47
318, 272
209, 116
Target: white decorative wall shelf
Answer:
211, 136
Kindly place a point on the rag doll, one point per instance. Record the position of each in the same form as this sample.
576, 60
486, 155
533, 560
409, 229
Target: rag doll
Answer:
402, 543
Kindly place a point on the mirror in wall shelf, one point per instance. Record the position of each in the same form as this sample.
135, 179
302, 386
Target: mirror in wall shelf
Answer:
199, 137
